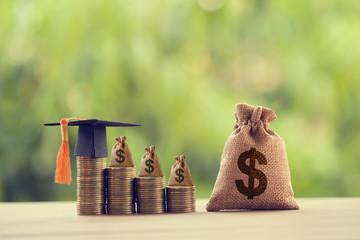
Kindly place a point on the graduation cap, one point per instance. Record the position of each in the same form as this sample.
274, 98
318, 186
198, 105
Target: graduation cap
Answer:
91, 142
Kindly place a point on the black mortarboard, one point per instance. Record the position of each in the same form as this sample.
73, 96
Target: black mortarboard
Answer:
91, 141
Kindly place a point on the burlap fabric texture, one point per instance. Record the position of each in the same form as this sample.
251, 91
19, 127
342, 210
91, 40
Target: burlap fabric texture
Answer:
120, 154
150, 164
254, 172
180, 173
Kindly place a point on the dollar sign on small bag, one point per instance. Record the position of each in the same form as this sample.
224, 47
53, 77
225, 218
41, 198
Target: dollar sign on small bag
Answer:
179, 175
121, 157
253, 173
150, 167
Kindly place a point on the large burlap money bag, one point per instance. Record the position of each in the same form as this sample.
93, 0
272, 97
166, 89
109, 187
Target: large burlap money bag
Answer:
254, 171
120, 154
150, 164
180, 173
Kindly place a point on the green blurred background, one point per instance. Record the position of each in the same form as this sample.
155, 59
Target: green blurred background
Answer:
178, 68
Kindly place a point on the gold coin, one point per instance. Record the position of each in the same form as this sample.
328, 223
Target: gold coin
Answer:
90, 186
180, 199
120, 190
150, 194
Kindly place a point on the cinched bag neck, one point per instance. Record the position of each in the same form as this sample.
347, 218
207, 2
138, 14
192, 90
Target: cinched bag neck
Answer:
151, 150
247, 114
121, 140
256, 116
180, 160
255, 119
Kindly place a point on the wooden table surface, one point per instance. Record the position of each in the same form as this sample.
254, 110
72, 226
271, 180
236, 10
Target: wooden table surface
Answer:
319, 218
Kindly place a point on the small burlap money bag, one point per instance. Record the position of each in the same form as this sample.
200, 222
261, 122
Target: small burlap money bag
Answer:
254, 171
120, 154
180, 173
150, 164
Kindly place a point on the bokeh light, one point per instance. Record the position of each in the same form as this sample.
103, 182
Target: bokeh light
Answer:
179, 68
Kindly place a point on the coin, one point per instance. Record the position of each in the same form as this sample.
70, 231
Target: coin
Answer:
120, 190
180, 199
150, 194
90, 186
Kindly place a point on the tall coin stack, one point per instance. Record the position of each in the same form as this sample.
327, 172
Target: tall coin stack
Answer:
150, 192
180, 199
120, 190
90, 185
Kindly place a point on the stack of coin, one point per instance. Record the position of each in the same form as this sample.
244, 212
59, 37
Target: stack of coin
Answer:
90, 185
150, 193
120, 190
180, 199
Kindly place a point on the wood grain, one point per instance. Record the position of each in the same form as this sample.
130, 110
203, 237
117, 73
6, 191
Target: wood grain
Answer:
320, 218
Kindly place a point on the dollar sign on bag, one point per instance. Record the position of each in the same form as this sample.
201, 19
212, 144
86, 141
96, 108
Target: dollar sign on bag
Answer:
180, 177
150, 168
253, 173
121, 157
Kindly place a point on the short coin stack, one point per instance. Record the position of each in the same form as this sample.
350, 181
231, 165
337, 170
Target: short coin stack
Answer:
150, 192
120, 190
180, 199
90, 186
